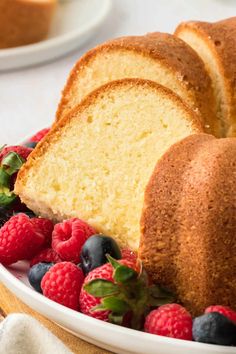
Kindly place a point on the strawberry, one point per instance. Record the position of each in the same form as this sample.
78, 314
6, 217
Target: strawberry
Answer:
88, 301
39, 135
128, 254
11, 159
22, 151
171, 320
116, 292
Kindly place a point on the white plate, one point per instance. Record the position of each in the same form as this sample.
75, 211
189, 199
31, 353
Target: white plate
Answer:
111, 337
74, 23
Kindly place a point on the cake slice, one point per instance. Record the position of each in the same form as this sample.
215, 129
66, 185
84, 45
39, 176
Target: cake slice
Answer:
215, 43
95, 163
189, 222
24, 22
159, 57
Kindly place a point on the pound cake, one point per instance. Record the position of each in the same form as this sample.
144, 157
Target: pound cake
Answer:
159, 57
96, 162
215, 43
24, 22
188, 225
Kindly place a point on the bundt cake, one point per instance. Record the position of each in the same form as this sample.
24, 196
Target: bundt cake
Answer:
215, 43
95, 163
24, 22
188, 224
159, 57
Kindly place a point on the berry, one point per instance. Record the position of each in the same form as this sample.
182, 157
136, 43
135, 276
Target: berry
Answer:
170, 320
214, 328
11, 160
68, 238
94, 250
45, 226
6, 214
19, 239
224, 310
132, 257
115, 292
127, 253
20, 150
36, 274
47, 255
88, 301
62, 283
39, 135
31, 144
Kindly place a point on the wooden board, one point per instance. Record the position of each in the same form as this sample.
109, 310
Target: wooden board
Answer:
10, 303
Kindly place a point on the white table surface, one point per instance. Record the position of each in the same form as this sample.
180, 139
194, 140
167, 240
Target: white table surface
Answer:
29, 97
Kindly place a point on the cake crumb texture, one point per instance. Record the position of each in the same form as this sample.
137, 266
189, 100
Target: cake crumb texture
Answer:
96, 162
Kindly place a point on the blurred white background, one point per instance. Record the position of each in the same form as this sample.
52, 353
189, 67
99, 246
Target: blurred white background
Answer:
29, 97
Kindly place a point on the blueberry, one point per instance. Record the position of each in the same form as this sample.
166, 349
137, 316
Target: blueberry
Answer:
31, 144
36, 274
94, 250
214, 328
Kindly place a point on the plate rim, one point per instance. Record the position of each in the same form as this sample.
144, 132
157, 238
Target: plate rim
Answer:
56, 42
7, 278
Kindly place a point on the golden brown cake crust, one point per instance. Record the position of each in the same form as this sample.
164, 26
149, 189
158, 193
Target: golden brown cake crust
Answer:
188, 225
58, 127
170, 51
221, 38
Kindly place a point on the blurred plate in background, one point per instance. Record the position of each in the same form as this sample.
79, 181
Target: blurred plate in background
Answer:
74, 23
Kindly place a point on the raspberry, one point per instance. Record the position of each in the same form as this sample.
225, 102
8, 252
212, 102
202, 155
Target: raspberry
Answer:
88, 301
48, 255
68, 238
39, 135
62, 283
170, 320
20, 150
224, 310
19, 239
46, 227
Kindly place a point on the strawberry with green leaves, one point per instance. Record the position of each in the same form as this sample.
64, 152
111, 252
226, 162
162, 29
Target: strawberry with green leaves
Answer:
117, 293
11, 160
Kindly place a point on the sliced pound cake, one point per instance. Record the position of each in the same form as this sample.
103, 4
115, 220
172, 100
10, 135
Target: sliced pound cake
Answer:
215, 43
96, 162
159, 57
188, 225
